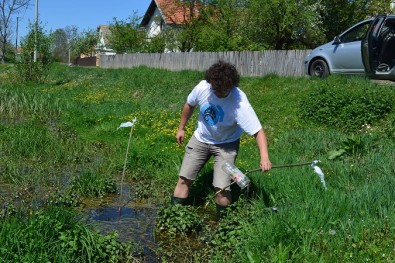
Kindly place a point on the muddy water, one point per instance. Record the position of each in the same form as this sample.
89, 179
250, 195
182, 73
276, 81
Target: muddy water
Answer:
133, 223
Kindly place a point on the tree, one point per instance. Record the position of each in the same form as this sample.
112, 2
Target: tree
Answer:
274, 23
59, 45
71, 35
237, 25
85, 44
338, 15
28, 69
8, 8
222, 25
185, 18
378, 7
159, 43
126, 36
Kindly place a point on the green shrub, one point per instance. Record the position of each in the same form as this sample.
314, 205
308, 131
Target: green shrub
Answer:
347, 107
27, 68
229, 235
177, 219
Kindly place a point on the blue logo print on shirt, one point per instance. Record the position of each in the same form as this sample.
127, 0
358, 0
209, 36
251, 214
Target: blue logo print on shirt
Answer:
212, 114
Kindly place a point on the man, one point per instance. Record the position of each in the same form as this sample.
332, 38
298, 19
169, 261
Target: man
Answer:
225, 113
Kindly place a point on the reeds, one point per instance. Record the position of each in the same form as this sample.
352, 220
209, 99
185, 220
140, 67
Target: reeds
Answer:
61, 135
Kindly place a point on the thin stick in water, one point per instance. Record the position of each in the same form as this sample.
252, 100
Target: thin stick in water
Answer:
124, 169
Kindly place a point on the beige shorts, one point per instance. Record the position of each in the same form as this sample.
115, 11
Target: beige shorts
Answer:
198, 153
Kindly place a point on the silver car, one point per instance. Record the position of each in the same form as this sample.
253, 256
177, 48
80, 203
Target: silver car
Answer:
342, 55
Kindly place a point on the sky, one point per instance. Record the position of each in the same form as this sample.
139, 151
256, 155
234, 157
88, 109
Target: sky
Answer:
85, 14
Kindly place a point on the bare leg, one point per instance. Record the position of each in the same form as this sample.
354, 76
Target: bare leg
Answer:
223, 198
182, 187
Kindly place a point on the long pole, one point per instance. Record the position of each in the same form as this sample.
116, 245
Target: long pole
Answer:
35, 33
16, 38
259, 169
124, 169
279, 166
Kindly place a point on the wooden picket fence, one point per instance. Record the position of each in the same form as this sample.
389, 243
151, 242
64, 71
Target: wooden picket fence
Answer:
249, 63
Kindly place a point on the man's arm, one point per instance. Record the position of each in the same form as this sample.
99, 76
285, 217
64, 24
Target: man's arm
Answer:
186, 113
261, 141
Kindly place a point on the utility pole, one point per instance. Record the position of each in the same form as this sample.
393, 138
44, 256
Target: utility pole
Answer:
35, 36
16, 38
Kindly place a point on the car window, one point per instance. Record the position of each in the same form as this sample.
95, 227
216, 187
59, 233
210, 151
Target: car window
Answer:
388, 29
355, 34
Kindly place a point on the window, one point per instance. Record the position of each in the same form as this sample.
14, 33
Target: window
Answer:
356, 33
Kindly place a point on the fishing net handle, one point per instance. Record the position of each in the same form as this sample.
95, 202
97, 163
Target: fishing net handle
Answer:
279, 166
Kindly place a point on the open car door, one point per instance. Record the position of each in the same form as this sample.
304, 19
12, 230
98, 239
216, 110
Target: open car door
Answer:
378, 48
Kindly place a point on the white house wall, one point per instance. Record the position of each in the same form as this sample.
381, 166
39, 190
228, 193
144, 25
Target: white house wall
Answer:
101, 47
154, 24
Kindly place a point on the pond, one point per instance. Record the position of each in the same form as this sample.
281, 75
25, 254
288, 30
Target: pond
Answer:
133, 221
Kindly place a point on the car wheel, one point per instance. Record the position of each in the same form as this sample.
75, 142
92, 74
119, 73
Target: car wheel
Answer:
319, 68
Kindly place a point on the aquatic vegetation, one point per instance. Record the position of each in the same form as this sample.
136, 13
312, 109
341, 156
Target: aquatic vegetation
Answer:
60, 145
54, 234
178, 219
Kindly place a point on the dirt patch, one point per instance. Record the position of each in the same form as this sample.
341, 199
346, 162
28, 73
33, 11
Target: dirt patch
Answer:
383, 82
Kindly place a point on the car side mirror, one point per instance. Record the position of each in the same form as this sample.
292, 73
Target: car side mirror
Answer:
336, 40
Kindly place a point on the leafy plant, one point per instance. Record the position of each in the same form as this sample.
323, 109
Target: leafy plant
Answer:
229, 235
35, 44
68, 199
7, 209
62, 135
346, 107
178, 219
350, 147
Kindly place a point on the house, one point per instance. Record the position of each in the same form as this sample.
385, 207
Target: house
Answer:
162, 14
103, 46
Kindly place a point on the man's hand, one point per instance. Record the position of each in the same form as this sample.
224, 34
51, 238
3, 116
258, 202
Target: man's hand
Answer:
261, 141
186, 113
180, 136
265, 165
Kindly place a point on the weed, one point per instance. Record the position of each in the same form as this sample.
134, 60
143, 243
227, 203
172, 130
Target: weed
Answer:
347, 107
178, 219
352, 146
54, 235
92, 184
58, 142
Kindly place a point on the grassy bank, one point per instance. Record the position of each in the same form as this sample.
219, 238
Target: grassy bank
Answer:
59, 143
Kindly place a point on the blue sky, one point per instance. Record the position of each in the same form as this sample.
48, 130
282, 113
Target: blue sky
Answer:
85, 14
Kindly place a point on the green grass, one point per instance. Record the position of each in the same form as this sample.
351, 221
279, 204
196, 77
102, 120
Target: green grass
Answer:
63, 135
54, 235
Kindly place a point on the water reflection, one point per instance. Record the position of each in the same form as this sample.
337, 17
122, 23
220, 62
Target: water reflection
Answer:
132, 221
136, 224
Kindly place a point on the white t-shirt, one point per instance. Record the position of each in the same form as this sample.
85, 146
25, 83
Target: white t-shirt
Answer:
222, 120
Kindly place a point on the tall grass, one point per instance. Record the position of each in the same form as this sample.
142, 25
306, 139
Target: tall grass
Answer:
54, 235
72, 132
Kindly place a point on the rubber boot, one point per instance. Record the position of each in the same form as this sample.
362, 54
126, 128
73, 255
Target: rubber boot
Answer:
178, 201
221, 211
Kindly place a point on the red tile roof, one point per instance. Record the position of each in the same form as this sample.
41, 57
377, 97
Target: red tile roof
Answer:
173, 11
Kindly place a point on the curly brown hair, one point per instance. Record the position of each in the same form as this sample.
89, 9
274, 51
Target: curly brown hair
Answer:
222, 76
